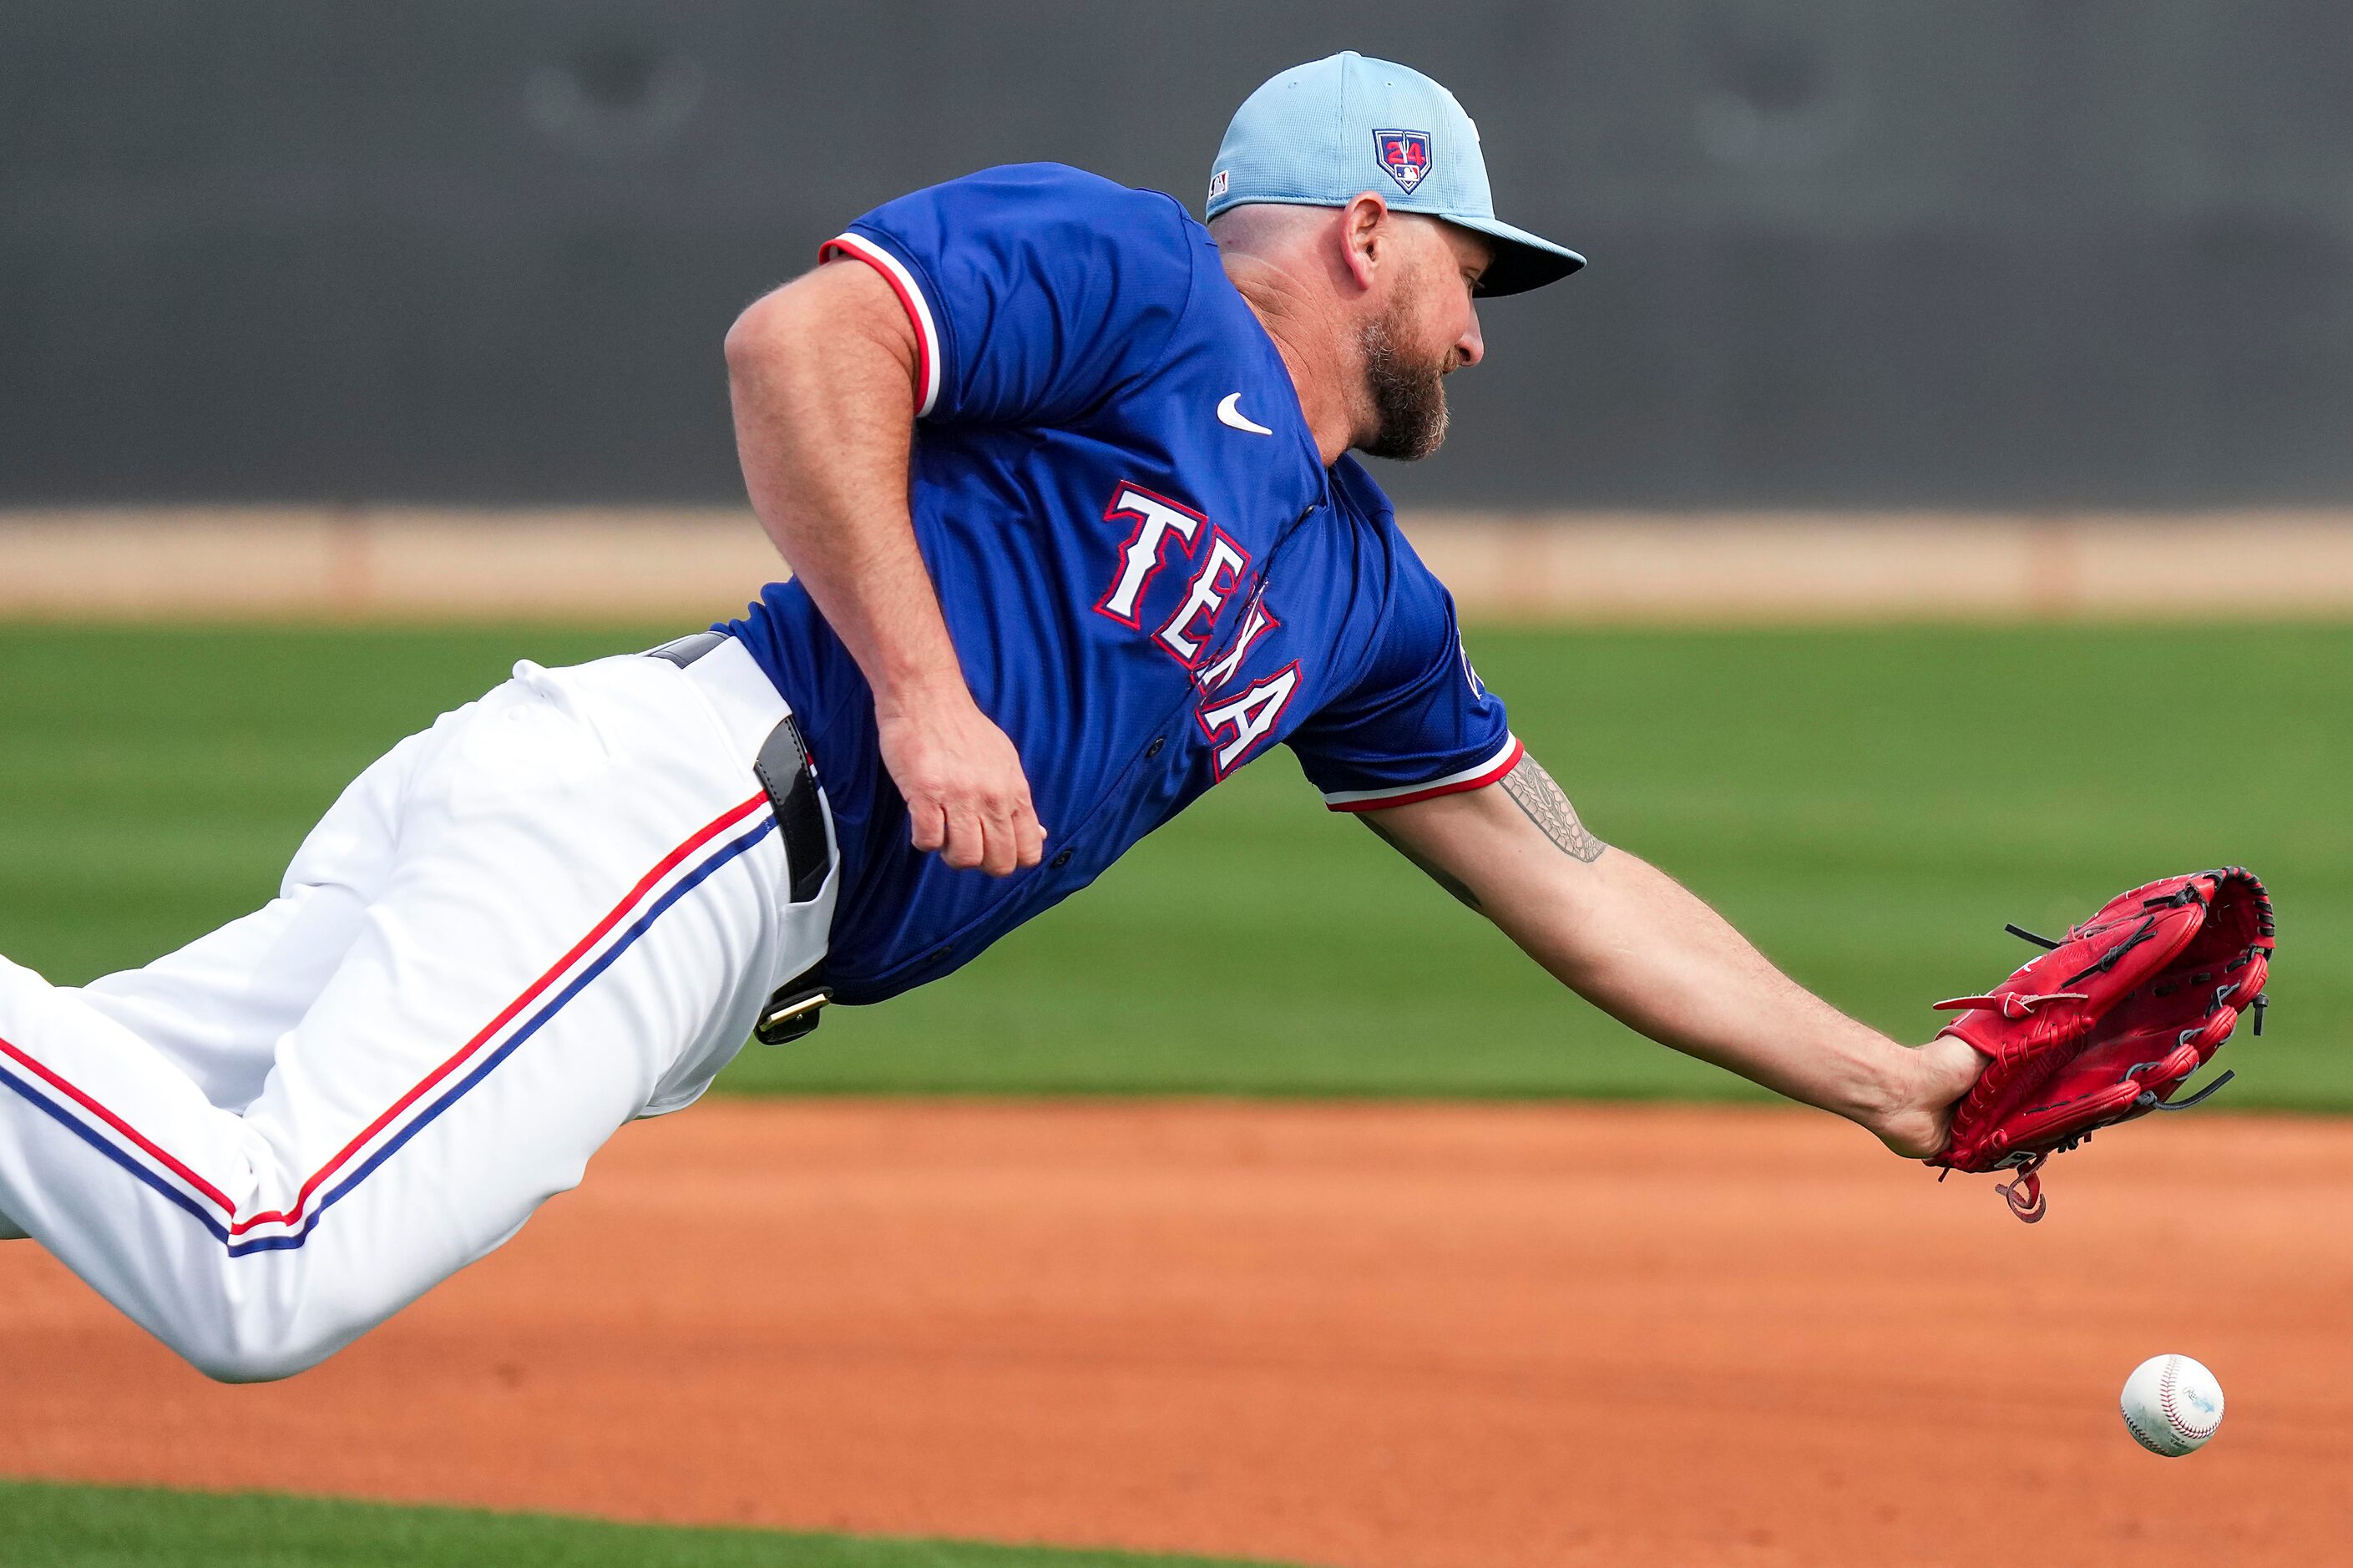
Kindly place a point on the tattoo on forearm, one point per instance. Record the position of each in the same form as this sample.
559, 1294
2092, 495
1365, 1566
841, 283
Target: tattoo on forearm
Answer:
1450, 883
1533, 792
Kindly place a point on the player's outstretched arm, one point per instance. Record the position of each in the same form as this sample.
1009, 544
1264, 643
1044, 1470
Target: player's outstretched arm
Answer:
822, 374
1637, 945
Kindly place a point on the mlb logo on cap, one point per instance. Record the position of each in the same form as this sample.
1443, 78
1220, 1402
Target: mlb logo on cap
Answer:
1405, 154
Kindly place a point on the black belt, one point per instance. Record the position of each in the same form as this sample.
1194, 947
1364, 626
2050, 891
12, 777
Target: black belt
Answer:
783, 769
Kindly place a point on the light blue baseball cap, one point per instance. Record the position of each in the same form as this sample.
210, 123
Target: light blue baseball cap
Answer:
1321, 133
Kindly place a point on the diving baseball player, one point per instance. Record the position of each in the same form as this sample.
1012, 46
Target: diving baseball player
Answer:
1063, 477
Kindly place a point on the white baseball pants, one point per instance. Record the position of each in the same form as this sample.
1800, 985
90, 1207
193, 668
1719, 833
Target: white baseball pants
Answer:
559, 909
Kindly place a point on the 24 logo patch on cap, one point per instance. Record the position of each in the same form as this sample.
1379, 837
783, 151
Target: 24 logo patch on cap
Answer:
1405, 154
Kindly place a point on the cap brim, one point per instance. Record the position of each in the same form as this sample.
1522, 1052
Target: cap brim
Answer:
1522, 260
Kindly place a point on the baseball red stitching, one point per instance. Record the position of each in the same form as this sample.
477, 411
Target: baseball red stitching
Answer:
2173, 1416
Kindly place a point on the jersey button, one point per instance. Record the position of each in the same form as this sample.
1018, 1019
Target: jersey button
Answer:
1157, 741
1059, 861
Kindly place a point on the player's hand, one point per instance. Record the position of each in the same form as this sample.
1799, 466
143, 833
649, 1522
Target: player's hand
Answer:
1920, 1116
966, 795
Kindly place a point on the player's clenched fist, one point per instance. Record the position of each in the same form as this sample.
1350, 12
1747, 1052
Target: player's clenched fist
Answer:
966, 795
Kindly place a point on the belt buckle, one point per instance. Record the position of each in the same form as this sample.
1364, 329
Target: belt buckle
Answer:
791, 1014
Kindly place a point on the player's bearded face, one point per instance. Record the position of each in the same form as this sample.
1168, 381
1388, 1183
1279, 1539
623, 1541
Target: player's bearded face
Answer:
1404, 379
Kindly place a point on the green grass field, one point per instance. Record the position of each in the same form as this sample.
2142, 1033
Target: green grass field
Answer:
43, 1526
1870, 804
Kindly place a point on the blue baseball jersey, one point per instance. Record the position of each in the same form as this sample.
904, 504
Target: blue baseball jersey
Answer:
1149, 575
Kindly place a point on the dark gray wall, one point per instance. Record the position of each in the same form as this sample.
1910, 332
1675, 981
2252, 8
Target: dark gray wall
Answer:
2016, 252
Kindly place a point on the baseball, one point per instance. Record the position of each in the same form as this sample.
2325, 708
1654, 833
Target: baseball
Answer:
2171, 1404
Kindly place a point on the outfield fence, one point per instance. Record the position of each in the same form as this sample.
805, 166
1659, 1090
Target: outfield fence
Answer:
390, 562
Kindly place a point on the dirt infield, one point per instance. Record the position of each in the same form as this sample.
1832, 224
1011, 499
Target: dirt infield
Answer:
1401, 1336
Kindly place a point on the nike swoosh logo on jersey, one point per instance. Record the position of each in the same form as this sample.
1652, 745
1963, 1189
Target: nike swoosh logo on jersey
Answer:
1229, 413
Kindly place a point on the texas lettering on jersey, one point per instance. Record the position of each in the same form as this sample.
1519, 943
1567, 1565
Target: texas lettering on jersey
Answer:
1234, 726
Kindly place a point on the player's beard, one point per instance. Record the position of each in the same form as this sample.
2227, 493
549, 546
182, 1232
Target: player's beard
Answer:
1408, 393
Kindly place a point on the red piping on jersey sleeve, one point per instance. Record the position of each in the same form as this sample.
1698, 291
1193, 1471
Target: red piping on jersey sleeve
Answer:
911, 299
1476, 778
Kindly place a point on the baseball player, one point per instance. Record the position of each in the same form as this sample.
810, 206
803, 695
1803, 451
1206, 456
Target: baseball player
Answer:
1065, 479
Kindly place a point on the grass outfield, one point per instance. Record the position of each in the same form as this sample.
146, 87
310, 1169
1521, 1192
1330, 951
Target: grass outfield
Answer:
1870, 804
45, 1526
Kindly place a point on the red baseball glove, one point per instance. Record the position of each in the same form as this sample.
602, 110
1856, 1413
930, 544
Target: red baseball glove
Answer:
2108, 1024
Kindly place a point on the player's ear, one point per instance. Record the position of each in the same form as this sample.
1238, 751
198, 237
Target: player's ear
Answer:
1367, 236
